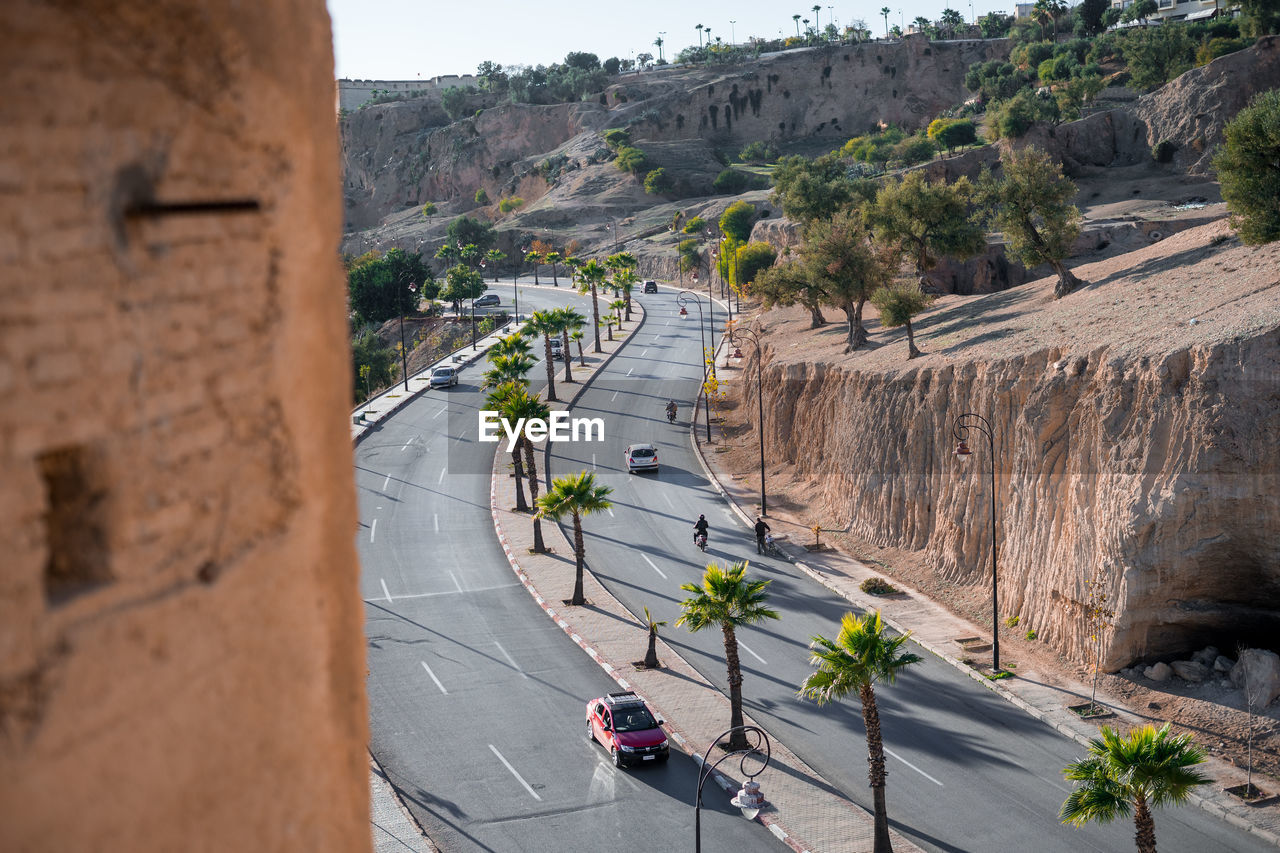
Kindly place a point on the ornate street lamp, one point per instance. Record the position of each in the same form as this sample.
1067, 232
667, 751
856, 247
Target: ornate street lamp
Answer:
960, 431
754, 337
749, 799
684, 297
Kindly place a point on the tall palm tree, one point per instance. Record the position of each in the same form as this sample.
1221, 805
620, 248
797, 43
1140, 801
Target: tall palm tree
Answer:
492, 258
544, 323
699, 29
885, 10
658, 44
569, 320
534, 258
728, 600
861, 654
624, 266
817, 25
504, 400
553, 258
517, 403
592, 276
796, 18
922, 24
576, 495
617, 305
576, 337
1147, 767
508, 368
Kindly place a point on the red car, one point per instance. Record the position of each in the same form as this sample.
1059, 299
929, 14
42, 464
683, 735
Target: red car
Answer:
623, 723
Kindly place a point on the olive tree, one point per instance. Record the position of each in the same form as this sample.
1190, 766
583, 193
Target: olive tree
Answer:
1247, 168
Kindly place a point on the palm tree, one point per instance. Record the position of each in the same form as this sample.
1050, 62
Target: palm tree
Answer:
544, 323
593, 275
534, 258
471, 255
861, 654
512, 344
699, 29
617, 305
493, 257
507, 368
515, 403
922, 24
607, 322
505, 401
576, 495
1147, 767
658, 44
728, 600
624, 266
553, 258
885, 10
817, 10
569, 320
796, 18
651, 656
576, 336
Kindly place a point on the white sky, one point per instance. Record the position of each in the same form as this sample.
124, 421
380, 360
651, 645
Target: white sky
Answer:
408, 39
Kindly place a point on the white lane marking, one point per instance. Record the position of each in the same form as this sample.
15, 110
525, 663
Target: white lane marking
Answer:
519, 779
629, 369
593, 462
913, 767
441, 479
655, 568
656, 337
668, 500
611, 515
406, 445
435, 519
385, 591
615, 395
643, 354
455, 582
753, 654
510, 660
439, 413
668, 323
449, 592
385, 482
373, 528
433, 677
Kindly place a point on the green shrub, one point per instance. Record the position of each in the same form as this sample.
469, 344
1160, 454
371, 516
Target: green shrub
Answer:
1246, 167
1029, 56
758, 152
482, 197
1162, 151
731, 182
631, 160
617, 137
658, 182
694, 225
511, 203
913, 150
429, 209
878, 586
1214, 48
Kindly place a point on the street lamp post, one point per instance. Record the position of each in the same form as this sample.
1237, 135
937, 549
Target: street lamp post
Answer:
696, 299
754, 337
473, 323
749, 798
733, 32
960, 431
711, 314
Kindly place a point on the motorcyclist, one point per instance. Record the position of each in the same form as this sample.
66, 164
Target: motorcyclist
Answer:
700, 528
671, 410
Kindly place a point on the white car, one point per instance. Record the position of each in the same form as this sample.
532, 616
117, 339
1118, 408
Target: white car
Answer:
557, 349
641, 457
444, 377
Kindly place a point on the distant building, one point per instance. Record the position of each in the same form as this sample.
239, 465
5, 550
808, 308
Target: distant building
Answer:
1179, 10
1024, 10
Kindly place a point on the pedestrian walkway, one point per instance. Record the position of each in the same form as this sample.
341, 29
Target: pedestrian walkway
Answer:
803, 811
937, 630
394, 829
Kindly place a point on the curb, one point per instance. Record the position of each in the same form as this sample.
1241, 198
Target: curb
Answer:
1199, 800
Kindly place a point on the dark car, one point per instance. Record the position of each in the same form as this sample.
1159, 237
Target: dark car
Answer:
650, 287
625, 726
488, 299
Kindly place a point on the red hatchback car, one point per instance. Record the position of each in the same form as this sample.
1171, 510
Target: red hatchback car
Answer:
623, 723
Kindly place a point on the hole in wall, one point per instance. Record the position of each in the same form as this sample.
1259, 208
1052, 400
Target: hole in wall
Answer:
75, 524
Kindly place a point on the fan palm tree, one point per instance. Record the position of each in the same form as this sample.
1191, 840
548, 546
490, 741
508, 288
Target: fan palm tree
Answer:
651, 656
861, 654
492, 258
576, 495
512, 344
1130, 774
607, 322
553, 258
576, 337
569, 320
624, 266
592, 275
506, 399
617, 305
922, 24
885, 10
517, 403
817, 10
699, 29
508, 368
796, 18
544, 323
534, 258
726, 599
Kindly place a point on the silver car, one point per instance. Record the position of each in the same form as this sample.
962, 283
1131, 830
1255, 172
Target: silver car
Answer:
444, 377
641, 457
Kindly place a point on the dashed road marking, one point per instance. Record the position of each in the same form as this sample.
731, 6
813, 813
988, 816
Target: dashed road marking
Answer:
433, 677
519, 778
655, 568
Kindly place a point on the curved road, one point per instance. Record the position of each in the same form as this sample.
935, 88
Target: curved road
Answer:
476, 698
968, 771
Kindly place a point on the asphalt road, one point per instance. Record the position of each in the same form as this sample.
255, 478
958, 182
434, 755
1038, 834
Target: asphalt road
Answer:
477, 699
967, 771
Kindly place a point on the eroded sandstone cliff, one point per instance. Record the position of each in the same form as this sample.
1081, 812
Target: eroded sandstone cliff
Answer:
1144, 454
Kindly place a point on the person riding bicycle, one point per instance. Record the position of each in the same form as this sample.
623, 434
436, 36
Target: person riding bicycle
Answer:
700, 528
671, 410
761, 530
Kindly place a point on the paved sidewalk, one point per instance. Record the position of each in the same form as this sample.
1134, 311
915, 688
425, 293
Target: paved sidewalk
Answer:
394, 829
803, 811
937, 629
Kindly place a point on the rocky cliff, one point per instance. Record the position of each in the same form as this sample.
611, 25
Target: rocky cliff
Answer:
1146, 455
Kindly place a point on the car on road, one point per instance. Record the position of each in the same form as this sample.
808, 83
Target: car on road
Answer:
488, 299
641, 457
650, 287
557, 349
444, 377
623, 724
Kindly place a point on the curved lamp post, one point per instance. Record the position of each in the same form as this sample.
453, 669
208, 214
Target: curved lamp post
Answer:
749, 798
754, 337
684, 297
960, 431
